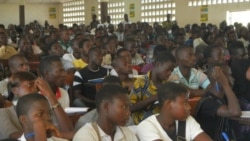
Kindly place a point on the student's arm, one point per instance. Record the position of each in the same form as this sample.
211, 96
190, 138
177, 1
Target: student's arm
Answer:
232, 109
142, 104
202, 137
65, 125
78, 94
196, 92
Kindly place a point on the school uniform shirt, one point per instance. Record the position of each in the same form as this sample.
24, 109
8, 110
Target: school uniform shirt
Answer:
137, 59
150, 129
88, 133
22, 138
64, 99
9, 122
197, 78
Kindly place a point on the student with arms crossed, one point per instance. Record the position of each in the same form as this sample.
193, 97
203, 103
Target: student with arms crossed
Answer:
173, 123
113, 108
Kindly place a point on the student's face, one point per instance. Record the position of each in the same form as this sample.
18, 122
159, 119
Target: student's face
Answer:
164, 70
112, 48
21, 64
241, 54
132, 48
57, 50
187, 58
125, 66
232, 37
180, 108
97, 57
24, 88
217, 55
57, 74
118, 109
127, 55
86, 47
25, 45
3, 40
39, 111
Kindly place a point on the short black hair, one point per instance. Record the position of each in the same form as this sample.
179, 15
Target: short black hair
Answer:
83, 42
164, 57
114, 80
180, 49
108, 92
25, 103
170, 91
234, 46
159, 49
118, 53
46, 63
92, 50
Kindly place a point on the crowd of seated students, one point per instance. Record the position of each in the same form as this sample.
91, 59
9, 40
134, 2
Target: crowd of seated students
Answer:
150, 72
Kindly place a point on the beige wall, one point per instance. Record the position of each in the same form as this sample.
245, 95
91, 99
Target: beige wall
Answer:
184, 14
40, 12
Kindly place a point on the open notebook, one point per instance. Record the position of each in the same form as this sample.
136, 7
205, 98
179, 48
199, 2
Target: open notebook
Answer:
245, 114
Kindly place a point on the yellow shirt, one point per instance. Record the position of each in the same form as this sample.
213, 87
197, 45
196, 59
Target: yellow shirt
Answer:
6, 52
79, 63
143, 88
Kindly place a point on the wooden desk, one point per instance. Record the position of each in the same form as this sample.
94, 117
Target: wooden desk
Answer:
193, 103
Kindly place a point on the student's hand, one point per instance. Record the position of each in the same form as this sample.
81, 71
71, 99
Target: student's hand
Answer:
220, 77
39, 126
43, 87
51, 129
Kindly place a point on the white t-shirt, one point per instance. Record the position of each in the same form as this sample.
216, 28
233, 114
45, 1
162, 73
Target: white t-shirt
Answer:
64, 99
150, 129
88, 133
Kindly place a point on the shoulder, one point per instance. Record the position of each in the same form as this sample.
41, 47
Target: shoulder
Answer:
87, 132
193, 128
128, 133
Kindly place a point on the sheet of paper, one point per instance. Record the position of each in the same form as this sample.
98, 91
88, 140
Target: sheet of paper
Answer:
70, 110
245, 114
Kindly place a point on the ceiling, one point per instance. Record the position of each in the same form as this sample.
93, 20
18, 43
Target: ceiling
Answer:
32, 1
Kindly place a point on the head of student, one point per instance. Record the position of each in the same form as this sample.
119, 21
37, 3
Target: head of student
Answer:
52, 70
121, 65
84, 46
113, 104
185, 56
131, 46
21, 83
237, 50
95, 56
173, 100
214, 53
32, 108
114, 80
18, 63
55, 49
164, 64
123, 52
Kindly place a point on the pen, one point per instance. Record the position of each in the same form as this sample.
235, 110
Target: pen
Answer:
225, 136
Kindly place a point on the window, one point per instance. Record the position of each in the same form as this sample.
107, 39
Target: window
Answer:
73, 12
213, 2
157, 10
116, 11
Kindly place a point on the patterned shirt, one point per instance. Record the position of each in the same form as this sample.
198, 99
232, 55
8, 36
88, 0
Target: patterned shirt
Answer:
143, 88
197, 78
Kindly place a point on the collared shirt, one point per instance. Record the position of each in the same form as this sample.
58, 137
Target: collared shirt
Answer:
197, 78
65, 46
88, 133
143, 88
69, 56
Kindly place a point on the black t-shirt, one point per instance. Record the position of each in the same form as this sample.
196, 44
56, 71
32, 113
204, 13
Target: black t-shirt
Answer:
241, 85
207, 115
81, 78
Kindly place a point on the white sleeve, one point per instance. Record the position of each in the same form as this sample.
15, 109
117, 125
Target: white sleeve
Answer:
146, 131
203, 80
194, 128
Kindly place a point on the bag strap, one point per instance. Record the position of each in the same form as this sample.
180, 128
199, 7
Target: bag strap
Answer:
181, 133
94, 125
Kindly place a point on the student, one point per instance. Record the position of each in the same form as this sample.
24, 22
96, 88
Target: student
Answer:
84, 92
84, 46
237, 51
76, 52
122, 68
173, 122
55, 49
93, 115
185, 72
5, 51
113, 108
212, 110
34, 114
143, 95
16, 63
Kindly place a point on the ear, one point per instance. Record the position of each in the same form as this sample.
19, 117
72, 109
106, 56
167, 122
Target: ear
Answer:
167, 104
105, 106
23, 119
